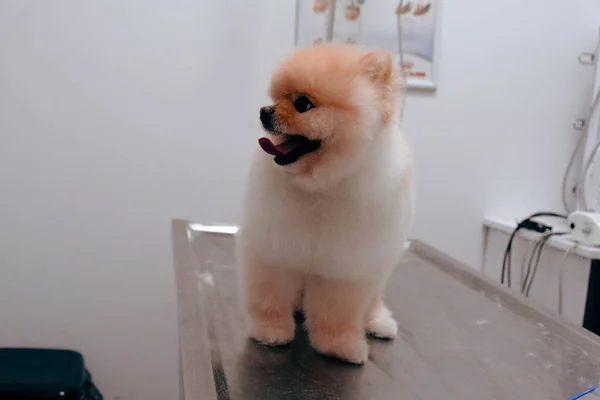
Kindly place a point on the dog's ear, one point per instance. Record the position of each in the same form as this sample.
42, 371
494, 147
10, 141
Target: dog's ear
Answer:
377, 65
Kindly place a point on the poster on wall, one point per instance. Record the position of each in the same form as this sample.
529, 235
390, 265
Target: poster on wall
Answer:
404, 27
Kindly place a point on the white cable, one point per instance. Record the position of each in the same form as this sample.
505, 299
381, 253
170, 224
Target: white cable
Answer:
582, 181
568, 171
561, 277
524, 261
584, 175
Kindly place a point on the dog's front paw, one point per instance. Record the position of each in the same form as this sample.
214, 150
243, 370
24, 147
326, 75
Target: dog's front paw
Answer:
272, 335
350, 347
383, 327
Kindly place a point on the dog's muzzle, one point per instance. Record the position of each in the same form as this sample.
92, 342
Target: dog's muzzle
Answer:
267, 116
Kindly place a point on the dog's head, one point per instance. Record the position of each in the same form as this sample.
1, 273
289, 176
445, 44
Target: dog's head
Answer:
330, 102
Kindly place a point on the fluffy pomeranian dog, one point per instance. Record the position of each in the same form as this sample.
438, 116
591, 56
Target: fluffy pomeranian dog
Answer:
329, 201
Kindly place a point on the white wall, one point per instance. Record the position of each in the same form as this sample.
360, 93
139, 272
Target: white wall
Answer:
496, 136
117, 116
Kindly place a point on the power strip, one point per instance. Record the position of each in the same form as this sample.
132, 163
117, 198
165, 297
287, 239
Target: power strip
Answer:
585, 227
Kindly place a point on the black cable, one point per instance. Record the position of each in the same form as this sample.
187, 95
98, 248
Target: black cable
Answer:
507, 257
527, 223
526, 288
530, 262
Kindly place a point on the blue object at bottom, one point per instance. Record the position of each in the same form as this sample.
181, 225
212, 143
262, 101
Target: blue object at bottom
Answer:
585, 392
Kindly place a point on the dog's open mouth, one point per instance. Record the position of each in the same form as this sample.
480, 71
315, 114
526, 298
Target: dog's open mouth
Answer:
290, 150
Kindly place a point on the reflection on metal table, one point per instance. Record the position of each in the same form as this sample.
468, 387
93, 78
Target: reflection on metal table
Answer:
461, 336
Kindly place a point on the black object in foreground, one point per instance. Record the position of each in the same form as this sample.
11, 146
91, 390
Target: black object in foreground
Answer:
44, 374
591, 319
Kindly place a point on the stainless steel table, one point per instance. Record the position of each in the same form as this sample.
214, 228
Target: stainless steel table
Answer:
461, 337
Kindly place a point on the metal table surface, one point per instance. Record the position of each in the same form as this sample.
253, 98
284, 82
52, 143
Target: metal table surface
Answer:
461, 336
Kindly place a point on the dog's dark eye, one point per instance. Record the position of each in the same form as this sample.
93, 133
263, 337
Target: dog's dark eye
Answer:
303, 104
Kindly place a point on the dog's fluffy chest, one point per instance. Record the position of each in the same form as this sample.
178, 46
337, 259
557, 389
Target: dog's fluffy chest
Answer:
354, 230
338, 214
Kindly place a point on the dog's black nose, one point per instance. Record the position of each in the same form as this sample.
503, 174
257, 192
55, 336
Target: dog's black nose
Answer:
266, 115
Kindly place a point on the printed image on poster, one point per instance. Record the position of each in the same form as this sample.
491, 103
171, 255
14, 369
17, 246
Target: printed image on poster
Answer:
388, 24
418, 32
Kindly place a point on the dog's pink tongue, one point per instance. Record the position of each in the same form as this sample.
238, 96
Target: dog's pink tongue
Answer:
277, 150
